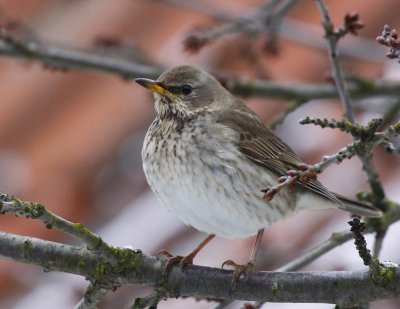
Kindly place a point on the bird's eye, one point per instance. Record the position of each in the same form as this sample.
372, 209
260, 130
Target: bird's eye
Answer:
186, 89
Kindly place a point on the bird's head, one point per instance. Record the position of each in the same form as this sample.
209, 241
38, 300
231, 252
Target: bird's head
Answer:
185, 90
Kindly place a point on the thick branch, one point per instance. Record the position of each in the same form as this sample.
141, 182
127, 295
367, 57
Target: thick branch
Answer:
47, 254
136, 267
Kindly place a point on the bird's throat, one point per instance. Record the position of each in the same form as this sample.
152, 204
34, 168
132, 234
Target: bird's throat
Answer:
169, 110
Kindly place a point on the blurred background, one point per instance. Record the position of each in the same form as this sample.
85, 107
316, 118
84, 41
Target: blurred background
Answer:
72, 140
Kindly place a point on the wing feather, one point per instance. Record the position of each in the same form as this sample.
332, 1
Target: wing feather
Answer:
261, 145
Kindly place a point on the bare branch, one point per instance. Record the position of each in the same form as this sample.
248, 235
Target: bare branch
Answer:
365, 139
12, 205
265, 19
307, 92
72, 59
47, 254
337, 239
334, 241
332, 38
77, 60
364, 153
135, 267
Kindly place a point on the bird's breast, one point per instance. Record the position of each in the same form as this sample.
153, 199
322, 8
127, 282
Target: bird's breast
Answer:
201, 176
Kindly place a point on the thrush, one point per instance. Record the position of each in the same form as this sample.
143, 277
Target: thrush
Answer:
207, 156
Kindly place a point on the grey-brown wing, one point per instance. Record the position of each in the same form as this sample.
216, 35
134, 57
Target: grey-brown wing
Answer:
261, 145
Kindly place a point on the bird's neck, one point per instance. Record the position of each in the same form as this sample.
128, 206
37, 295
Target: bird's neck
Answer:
168, 111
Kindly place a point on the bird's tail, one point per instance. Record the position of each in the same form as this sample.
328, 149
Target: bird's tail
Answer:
358, 208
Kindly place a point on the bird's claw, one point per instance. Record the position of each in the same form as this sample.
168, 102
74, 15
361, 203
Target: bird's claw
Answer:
164, 253
183, 261
238, 270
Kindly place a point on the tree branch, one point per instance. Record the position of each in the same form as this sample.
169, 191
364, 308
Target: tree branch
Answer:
136, 267
265, 19
332, 38
72, 59
306, 92
334, 241
365, 138
12, 205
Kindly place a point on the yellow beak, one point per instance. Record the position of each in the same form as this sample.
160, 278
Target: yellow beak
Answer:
152, 86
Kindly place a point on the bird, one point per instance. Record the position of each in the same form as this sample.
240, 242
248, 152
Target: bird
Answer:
207, 157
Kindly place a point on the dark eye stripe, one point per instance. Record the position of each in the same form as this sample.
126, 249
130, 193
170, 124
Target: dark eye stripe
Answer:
177, 89
174, 89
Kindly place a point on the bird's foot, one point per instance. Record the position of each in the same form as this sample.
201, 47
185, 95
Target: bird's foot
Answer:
238, 270
174, 260
182, 260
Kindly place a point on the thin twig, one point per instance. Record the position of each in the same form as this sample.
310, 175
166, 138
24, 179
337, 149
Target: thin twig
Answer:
290, 29
371, 139
71, 59
334, 241
378, 244
265, 19
364, 153
332, 36
332, 40
12, 205
278, 119
373, 178
306, 92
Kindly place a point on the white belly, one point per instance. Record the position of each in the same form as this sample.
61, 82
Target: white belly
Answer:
208, 193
